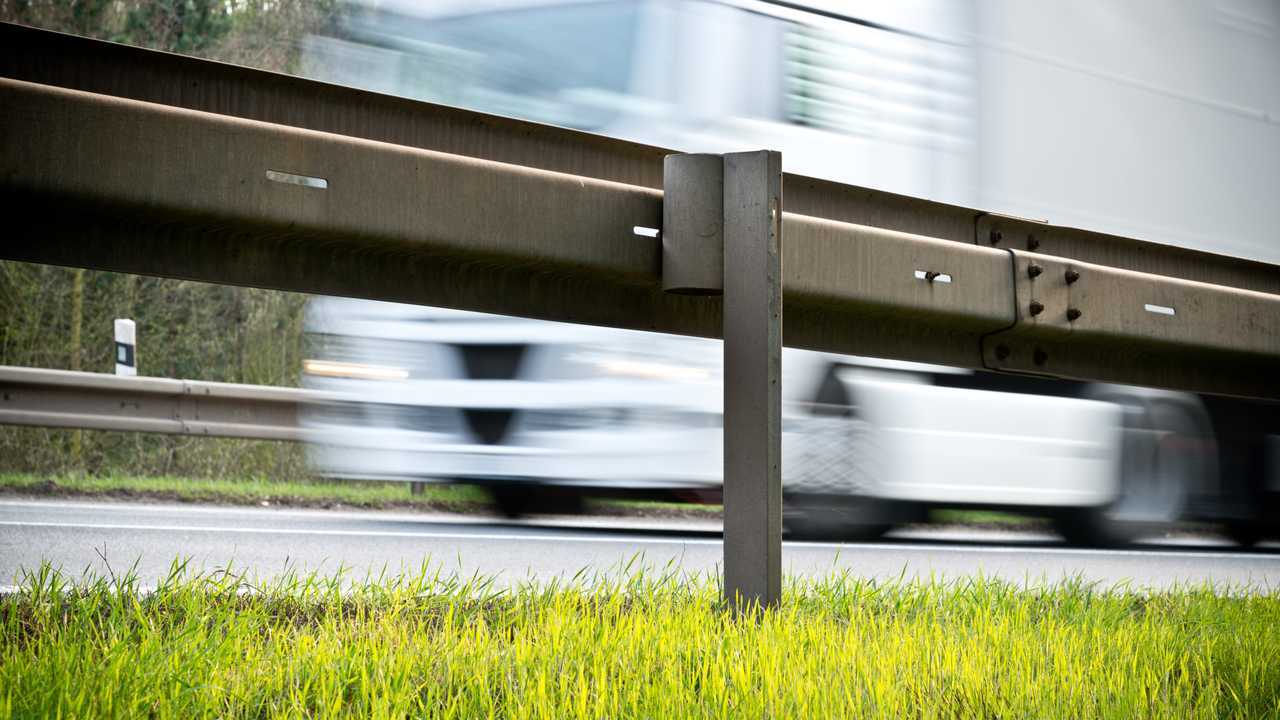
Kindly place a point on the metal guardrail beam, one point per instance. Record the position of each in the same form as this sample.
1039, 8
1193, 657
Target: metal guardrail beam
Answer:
60, 60
173, 192
63, 398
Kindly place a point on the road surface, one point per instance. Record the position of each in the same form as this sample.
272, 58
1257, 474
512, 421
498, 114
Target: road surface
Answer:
75, 535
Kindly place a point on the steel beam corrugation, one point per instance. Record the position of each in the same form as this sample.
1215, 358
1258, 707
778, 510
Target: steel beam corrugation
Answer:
62, 398
174, 80
116, 184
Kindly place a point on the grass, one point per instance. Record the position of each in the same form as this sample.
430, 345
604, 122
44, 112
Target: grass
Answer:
381, 496
250, 491
629, 644
372, 495
988, 519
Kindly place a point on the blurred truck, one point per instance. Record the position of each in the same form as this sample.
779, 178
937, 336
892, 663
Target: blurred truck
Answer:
1150, 119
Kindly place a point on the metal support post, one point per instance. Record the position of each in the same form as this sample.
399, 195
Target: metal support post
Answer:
752, 378
722, 234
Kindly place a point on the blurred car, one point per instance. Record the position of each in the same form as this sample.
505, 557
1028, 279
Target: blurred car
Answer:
508, 403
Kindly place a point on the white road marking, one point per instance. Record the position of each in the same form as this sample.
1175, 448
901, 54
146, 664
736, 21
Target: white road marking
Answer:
551, 521
631, 540
356, 533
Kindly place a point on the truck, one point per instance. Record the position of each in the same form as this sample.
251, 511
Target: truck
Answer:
1156, 120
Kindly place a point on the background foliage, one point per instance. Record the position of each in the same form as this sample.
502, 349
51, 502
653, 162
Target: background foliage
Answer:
61, 318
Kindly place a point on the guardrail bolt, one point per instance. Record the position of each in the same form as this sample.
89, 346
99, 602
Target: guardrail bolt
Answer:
1040, 357
996, 236
1072, 314
1002, 352
1036, 308
931, 274
1032, 242
1072, 276
1033, 271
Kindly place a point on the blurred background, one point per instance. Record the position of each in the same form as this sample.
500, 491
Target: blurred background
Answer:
1148, 118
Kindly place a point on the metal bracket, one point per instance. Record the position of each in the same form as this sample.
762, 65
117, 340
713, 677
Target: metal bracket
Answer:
1006, 232
1072, 318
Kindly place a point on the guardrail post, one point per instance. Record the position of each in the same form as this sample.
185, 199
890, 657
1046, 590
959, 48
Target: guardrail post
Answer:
753, 377
722, 234
126, 333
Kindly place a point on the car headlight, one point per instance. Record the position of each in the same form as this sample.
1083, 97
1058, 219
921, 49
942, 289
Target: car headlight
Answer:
647, 370
355, 371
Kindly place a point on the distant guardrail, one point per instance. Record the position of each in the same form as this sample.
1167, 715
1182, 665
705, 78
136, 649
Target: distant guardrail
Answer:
63, 398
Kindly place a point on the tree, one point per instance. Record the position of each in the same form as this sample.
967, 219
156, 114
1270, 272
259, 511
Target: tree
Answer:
59, 318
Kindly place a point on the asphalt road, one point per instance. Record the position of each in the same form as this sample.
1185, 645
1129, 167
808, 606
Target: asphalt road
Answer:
97, 536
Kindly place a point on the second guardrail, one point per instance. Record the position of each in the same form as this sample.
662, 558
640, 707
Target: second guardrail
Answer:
63, 398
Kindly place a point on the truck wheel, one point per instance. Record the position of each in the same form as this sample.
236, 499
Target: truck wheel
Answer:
512, 501
834, 518
516, 500
1246, 533
1162, 459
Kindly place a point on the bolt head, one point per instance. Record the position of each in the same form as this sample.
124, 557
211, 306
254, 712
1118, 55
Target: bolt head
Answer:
1072, 276
996, 236
1032, 242
1036, 308
1072, 314
1034, 271
1002, 352
1040, 357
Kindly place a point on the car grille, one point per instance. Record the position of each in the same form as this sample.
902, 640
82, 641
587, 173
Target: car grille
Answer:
492, 362
489, 426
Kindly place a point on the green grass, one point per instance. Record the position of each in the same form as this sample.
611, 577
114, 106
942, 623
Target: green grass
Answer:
251, 491
629, 645
372, 495
989, 519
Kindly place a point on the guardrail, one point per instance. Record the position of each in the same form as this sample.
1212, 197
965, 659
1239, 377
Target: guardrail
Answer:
179, 167
63, 398
202, 170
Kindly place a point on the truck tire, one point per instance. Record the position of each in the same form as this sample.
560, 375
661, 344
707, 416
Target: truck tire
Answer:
1162, 459
514, 500
835, 518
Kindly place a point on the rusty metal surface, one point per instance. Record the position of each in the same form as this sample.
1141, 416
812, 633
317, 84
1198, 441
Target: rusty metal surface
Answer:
62, 398
753, 281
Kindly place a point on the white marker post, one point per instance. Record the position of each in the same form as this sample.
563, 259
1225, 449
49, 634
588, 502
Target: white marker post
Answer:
126, 347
